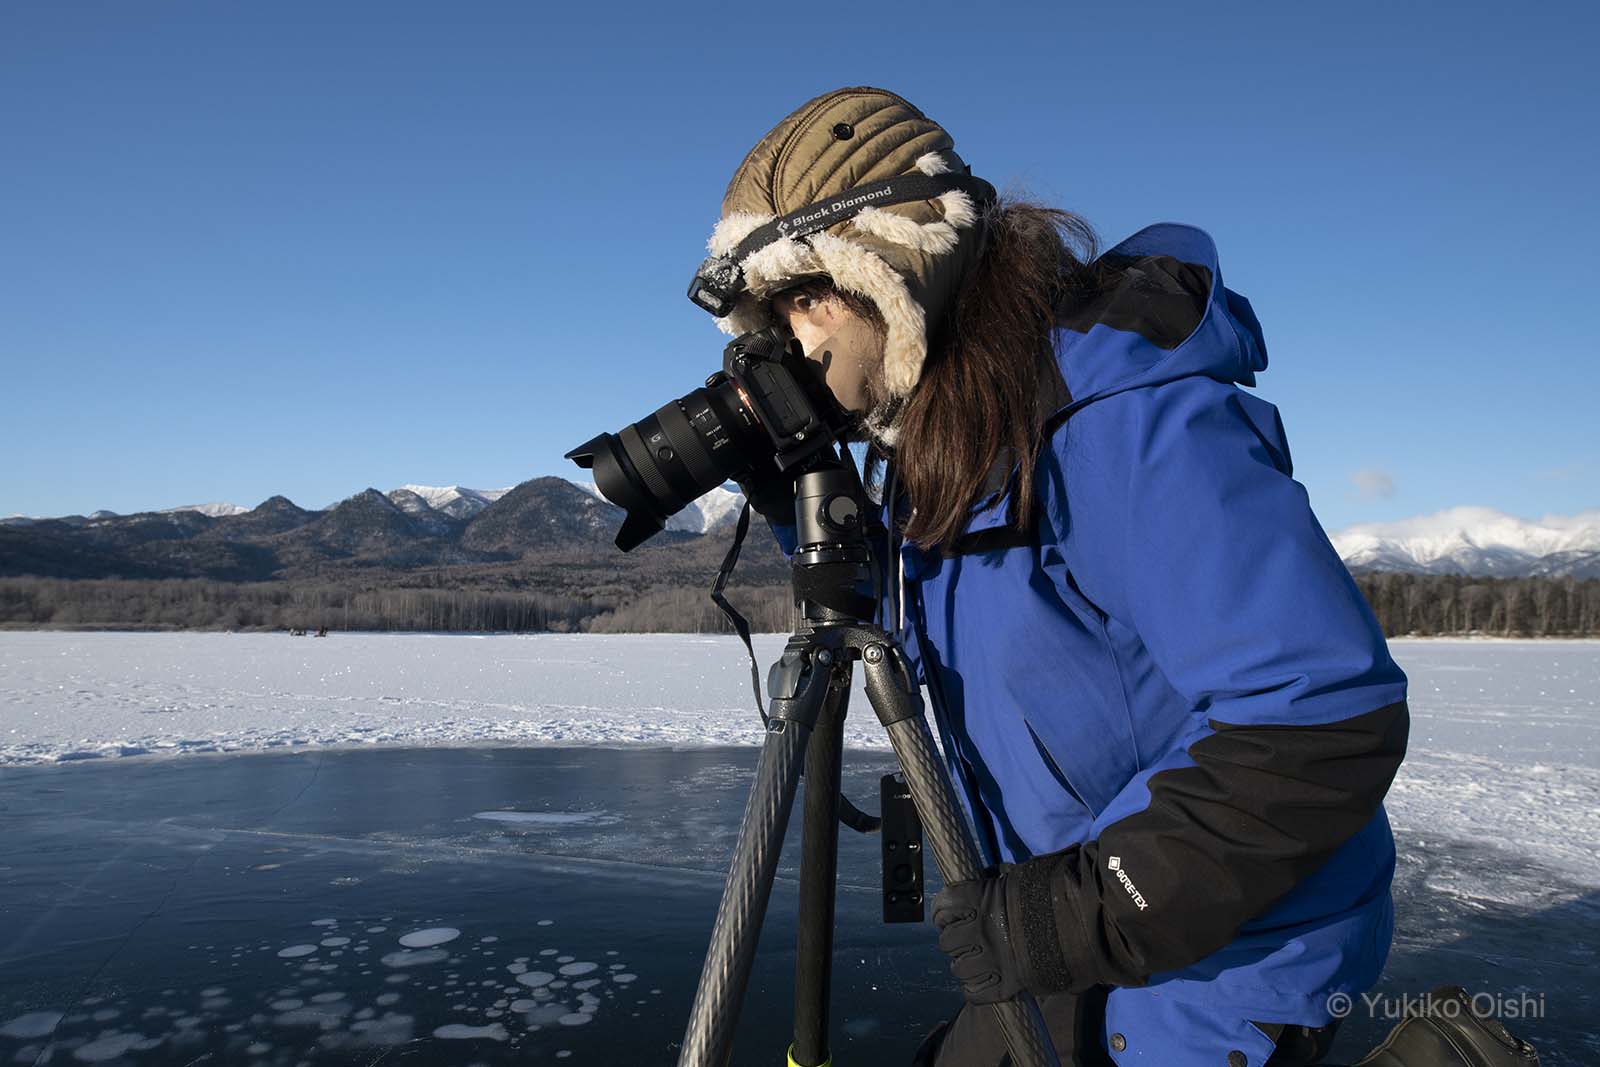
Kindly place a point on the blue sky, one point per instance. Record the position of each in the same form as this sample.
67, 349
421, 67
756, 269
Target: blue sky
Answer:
307, 248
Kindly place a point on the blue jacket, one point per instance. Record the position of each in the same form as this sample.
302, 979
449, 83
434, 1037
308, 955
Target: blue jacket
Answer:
1169, 704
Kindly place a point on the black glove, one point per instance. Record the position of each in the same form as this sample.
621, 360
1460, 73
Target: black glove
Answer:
1000, 933
977, 934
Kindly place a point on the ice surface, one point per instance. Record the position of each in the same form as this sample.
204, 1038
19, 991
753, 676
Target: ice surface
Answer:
1504, 748
84, 696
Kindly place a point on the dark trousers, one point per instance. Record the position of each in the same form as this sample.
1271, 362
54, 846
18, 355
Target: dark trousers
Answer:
1077, 1029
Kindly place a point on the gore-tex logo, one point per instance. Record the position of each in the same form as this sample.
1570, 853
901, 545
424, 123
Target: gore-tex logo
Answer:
1115, 863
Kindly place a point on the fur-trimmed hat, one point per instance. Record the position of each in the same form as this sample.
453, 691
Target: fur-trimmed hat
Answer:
908, 258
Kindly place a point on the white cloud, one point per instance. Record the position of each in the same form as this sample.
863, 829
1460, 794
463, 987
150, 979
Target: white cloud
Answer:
1372, 483
1562, 474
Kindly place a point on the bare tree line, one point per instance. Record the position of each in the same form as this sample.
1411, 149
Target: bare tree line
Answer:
207, 605
769, 609
1436, 604
1405, 604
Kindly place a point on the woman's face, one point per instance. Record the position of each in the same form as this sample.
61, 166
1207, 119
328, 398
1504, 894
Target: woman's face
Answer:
842, 343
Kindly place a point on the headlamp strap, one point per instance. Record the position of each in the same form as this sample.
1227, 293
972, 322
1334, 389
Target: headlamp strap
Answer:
816, 217
720, 279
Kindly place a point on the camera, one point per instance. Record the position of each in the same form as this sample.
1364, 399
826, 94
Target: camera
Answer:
766, 414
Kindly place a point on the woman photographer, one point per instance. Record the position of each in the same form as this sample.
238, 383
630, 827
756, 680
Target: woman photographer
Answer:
1169, 710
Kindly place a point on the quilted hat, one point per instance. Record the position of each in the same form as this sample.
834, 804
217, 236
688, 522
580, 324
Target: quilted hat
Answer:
908, 258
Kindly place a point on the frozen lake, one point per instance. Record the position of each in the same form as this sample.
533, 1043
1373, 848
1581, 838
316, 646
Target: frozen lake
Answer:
499, 805
1505, 738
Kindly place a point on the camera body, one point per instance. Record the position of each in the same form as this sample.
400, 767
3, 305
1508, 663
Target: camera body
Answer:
766, 414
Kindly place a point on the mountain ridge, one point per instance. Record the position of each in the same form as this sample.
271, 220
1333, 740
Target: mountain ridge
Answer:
420, 525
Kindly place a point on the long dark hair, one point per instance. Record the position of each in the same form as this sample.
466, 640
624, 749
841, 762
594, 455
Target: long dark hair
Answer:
981, 388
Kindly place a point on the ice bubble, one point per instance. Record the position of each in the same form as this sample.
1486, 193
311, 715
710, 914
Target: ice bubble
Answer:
415, 957
438, 935
325, 922
106, 1015
517, 968
587, 983
383, 1000
326, 998
108, 1047
572, 970
624, 978
295, 951
488, 940
287, 1004
258, 1048
576, 1018
33, 1024
460, 1031
545, 922
535, 979
391, 1029
376, 929
334, 942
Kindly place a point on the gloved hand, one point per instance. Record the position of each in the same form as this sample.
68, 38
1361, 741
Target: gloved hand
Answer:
977, 933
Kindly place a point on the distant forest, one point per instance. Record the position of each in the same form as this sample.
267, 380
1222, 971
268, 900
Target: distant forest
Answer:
1405, 604
199, 604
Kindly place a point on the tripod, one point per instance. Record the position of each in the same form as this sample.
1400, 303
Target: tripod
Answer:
809, 688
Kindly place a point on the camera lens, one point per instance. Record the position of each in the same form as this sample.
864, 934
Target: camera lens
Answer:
655, 467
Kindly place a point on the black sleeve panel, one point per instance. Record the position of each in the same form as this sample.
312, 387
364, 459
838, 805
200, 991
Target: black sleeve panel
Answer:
1263, 807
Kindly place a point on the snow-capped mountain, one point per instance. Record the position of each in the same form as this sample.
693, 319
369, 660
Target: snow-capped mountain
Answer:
456, 501
216, 511
1476, 540
1462, 540
717, 508
720, 507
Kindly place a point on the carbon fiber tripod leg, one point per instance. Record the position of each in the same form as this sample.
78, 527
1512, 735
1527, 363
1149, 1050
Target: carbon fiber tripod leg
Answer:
708, 1041
899, 707
819, 867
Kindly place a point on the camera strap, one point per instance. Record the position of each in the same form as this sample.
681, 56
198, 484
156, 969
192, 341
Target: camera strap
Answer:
740, 624
849, 814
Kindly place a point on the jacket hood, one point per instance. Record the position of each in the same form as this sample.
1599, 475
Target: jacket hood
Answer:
1168, 317
1132, 340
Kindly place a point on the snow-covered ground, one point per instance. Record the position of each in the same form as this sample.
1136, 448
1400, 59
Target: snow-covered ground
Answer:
1505, 739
